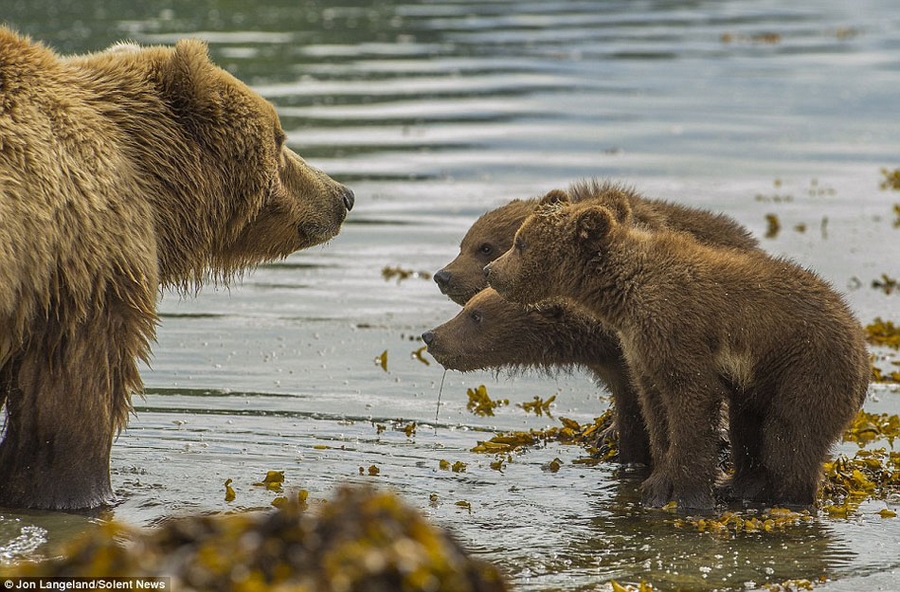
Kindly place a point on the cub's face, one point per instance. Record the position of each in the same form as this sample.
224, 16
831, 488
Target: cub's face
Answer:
490, 332
529, 272
488, 238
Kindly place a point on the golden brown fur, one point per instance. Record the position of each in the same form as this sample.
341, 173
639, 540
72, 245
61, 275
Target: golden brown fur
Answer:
699, 325
120, 172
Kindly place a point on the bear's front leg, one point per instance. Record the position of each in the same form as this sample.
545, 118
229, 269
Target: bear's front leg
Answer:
693, 408
55, 452
68, 392
628, 425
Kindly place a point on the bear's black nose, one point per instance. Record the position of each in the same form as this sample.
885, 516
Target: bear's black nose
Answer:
442, 279
428, 337
348, 197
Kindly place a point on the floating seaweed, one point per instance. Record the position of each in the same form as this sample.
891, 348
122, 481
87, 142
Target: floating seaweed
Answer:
382, 360
881, 332
409, 429
273, 481
773, 226
570, 432
419, 355
389, 273
867, 427
457, 467
886, 284
538, 406
750, 521
880, 376
481, 404
891, 180
229, 491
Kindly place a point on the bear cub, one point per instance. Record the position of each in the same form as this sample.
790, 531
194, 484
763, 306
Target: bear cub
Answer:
700, 325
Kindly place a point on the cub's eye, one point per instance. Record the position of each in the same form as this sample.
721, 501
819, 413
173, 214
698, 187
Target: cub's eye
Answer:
476, 316
486, 249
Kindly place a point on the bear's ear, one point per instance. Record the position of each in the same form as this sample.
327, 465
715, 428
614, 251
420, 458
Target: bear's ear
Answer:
619, 207
556, 196
189, 80
593, 224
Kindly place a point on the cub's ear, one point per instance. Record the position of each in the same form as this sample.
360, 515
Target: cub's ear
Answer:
619, 207
593, 224
556, 196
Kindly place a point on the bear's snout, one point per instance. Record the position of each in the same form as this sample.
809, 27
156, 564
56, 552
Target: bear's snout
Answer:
347, 197
442, 279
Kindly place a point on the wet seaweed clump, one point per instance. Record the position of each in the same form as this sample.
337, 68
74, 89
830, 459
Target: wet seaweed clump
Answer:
773, 226
891, 179
883, 377
886, 284
570, 431
615, 586
749, 521
881, 332
481, 404
870, 474
395, 272
362, 540
539, 406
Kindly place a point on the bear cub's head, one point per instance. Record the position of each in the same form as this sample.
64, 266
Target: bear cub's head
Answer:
555, 249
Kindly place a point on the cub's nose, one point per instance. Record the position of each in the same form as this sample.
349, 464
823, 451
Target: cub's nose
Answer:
428, 337
348, 198
442, 279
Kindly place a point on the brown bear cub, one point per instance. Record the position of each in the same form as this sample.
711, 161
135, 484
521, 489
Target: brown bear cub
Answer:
699, 325
492, 234
490, 332
562, 339
121, 172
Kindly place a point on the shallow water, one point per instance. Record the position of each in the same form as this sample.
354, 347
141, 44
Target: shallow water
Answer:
434, 112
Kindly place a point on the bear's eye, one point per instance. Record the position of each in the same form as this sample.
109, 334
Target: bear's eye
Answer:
486, 249
476, 316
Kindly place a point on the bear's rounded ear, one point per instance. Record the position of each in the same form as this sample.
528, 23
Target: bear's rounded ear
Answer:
593, 224
556, 196
189, 79
619, 207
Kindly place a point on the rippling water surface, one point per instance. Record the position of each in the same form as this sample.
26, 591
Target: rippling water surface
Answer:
434, 112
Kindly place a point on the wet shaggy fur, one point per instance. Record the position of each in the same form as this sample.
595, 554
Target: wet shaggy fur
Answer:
699, 325
562, 339
490, 332
120, 172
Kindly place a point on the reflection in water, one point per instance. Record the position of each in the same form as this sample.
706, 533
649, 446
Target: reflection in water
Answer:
434, 112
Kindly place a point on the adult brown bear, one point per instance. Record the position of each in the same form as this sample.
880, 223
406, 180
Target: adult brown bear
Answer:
700, 325
120, 172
